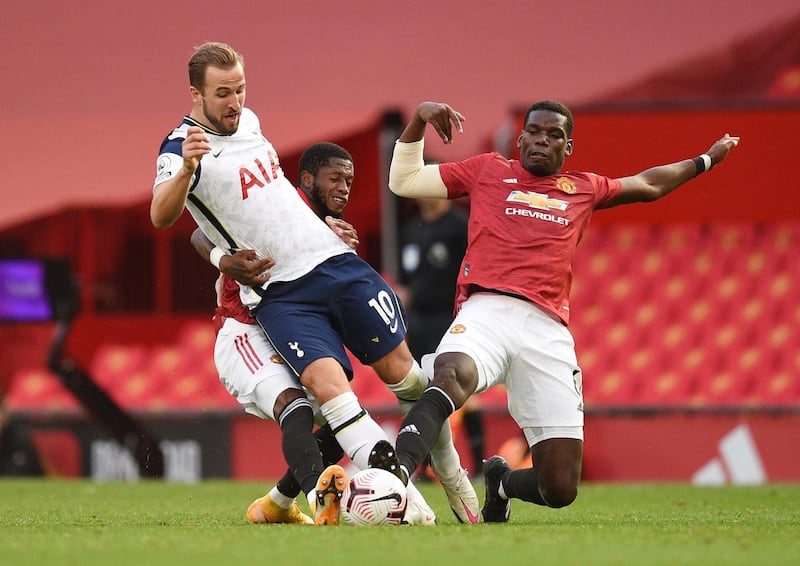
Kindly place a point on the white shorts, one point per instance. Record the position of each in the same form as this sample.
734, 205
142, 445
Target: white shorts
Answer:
245, 360
515, 343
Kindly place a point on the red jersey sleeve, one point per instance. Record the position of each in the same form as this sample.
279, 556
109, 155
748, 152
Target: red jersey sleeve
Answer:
606, 188
230, 305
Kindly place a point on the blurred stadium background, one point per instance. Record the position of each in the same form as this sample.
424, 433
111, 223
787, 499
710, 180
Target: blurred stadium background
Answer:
686, 312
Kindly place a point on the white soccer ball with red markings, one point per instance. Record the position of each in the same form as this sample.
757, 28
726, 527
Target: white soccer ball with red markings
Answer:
374, 497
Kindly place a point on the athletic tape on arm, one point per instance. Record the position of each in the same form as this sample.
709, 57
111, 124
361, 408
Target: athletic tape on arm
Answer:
410, 177
216, 255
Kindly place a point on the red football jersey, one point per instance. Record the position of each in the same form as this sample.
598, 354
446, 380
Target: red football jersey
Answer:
230, 305
523, 229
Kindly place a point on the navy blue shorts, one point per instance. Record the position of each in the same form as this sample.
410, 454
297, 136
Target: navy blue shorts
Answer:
341, 302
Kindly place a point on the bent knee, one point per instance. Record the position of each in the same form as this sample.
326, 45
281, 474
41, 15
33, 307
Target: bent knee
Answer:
286, 397
456, 374
559, 495
326, 379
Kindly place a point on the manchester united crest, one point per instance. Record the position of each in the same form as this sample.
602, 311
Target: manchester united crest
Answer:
566, 185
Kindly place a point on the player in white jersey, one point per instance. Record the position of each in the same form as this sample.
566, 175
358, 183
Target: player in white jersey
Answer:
250, 368
241, 200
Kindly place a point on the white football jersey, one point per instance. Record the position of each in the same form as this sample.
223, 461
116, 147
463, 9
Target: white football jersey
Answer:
241, 199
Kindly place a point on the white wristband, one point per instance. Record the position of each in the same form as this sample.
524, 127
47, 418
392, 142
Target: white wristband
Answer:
706, 160
216, 255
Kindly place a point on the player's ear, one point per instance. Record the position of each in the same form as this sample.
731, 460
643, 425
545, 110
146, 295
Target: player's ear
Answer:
195, 94
519, 139
306, 179
569, 148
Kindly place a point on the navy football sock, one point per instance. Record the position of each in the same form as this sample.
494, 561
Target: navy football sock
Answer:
331, 454
300, 449
421, 427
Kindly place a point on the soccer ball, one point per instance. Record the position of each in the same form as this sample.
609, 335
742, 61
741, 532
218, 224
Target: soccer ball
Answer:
374, 497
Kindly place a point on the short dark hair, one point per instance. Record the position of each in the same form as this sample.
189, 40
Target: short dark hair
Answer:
552, 106
211, 54
318, 155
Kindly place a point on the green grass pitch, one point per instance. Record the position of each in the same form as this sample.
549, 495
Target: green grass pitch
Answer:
79, 522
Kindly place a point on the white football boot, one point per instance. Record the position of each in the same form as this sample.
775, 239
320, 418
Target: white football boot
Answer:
418, 512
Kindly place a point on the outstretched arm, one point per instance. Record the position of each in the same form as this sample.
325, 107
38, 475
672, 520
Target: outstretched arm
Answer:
408, 174
657, 182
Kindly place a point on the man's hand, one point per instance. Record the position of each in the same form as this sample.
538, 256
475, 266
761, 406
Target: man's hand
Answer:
246, 267
194, 147
721, 148
442, 117
344, 230
439, 115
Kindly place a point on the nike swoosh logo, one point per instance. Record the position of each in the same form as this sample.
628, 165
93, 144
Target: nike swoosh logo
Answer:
472, 518
217, 154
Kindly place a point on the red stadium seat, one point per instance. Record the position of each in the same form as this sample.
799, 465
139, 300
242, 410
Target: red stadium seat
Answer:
666, 388
39, 390
192, 390
198, 338
170, 360
777, 384
609, 388
727, 381
140, 390
114, 362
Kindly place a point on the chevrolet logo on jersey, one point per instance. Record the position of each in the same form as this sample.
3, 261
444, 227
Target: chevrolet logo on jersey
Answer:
537, 200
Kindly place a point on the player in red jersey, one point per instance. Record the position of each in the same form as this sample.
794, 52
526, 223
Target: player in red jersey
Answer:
526, 219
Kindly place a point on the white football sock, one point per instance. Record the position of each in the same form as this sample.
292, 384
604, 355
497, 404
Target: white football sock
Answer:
445, 459
280, 498
353, 427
